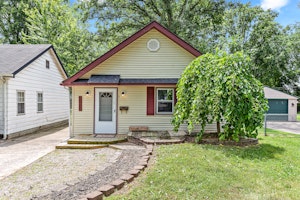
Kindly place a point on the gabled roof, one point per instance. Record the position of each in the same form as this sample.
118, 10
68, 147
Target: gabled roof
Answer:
275, 94
135, 36
15, 57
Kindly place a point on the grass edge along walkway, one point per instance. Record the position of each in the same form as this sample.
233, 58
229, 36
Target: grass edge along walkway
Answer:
269, 170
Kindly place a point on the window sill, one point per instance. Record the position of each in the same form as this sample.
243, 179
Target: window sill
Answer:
163, 113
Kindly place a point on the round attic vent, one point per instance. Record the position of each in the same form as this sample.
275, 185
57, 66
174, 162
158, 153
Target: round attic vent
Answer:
153, 45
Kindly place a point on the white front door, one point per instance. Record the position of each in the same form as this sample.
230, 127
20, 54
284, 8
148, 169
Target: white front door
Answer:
105, 110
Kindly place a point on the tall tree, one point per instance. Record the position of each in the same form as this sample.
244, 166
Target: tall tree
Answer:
207, 25
255, 31
55, 22
12, 20
193, 20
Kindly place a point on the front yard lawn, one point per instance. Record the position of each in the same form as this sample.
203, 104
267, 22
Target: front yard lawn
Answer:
269, 170
298, 117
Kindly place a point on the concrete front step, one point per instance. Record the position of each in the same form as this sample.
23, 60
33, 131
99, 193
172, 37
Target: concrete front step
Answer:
80, 146
97, 141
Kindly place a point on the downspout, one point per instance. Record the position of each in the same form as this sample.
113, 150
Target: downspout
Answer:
5, 105
4, 79
71, 135
70, 111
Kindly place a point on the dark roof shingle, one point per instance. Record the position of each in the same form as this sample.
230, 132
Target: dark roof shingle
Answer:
106, 79
14, 57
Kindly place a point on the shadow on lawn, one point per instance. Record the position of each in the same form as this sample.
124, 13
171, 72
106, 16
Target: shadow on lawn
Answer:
260, 151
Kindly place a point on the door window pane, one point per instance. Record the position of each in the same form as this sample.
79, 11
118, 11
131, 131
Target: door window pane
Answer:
105, 106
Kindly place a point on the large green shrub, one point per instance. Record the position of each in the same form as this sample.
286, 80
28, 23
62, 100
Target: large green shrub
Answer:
220, 88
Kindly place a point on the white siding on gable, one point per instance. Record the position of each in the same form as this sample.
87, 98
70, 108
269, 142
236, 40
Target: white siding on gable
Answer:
37, 78
136, 61
1, 107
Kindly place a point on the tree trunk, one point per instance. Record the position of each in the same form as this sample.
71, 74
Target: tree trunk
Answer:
218, 127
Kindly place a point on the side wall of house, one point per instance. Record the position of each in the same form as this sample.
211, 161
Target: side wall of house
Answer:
37, 78
135, 99
1, 107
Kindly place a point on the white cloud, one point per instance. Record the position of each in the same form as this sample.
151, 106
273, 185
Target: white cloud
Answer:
273, 4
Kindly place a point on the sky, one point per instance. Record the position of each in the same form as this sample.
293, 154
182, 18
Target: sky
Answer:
289, 11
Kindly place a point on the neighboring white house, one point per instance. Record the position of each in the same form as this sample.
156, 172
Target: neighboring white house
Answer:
282, 107
31, 97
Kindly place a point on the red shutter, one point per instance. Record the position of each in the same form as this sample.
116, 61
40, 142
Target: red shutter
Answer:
80, 103
150, 100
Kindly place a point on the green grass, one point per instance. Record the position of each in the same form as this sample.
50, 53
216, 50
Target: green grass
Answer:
298, 117
269, 170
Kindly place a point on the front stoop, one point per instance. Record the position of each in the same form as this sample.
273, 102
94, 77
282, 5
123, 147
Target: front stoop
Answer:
90, 142
80, 146
97, 141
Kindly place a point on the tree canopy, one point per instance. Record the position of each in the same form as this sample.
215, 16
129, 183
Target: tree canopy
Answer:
220, 88
49, 22
206, 24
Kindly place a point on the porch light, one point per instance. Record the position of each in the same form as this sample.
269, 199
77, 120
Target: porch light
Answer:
87, 93
123, 93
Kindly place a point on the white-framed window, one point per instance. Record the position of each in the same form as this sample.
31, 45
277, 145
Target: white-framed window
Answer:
164, 100
20, 102
40, 104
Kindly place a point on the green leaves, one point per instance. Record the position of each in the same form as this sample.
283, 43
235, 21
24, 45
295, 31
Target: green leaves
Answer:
220, 88
49, 22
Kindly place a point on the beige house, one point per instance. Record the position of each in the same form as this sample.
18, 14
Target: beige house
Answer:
132, 85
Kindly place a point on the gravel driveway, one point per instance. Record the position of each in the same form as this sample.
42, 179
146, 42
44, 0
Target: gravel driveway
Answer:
69, 174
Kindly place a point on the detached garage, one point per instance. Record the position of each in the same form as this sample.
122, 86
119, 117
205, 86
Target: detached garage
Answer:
282, 107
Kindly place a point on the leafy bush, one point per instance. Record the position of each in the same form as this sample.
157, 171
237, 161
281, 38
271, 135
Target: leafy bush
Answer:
220, 88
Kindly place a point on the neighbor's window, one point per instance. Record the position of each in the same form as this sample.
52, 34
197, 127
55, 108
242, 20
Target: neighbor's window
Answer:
47, 64
40, 102
20, 102
165, 100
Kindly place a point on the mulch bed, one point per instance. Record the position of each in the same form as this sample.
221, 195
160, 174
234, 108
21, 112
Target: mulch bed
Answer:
212, 138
